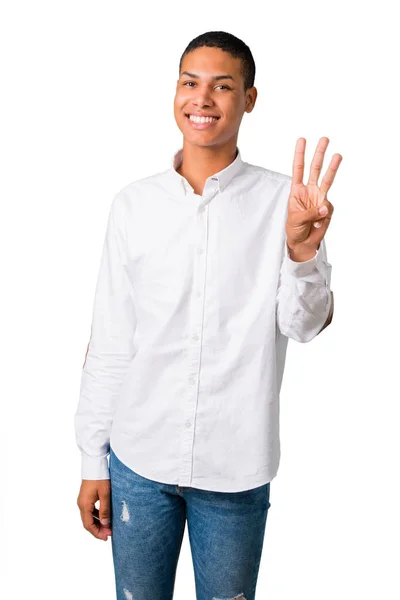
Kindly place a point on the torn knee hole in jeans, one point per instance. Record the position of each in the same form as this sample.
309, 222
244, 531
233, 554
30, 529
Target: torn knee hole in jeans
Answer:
125, 512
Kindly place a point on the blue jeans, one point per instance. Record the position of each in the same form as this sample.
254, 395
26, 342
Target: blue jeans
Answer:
226, 534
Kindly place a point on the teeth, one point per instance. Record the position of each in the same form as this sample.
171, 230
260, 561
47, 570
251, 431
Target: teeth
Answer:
202, 119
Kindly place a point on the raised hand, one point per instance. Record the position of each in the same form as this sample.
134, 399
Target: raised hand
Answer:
305, 225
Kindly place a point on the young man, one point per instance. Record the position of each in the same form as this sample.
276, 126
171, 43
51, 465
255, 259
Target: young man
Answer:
207, 269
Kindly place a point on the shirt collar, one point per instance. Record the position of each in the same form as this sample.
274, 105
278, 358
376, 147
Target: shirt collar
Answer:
220, 179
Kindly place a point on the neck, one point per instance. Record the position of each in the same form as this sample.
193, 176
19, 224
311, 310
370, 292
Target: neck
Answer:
201, 162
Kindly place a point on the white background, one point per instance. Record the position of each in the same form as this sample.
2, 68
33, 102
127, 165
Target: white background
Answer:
87, 107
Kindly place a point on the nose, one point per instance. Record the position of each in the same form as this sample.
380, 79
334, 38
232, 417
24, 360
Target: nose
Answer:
203, 99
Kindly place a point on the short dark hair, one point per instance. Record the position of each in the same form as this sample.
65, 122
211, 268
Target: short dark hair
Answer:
231, 44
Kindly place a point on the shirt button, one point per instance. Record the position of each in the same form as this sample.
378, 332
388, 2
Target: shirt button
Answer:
200, 250
201, 209
188, 424
199, 294
192, 380
195, 337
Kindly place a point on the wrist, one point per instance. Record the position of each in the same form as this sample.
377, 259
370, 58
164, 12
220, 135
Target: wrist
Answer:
299, 253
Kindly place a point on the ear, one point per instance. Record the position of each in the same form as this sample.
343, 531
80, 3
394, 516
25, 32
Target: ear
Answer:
251, 96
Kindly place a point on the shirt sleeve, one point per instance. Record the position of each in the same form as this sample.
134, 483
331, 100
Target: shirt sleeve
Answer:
304, 297
110, 350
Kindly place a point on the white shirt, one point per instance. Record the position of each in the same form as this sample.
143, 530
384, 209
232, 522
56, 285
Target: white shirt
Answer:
196, 298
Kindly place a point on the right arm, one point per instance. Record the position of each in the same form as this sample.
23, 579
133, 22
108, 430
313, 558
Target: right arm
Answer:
108, 357
110, 350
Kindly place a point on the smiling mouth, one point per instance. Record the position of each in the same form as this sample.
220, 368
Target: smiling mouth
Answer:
202, 119
202, 123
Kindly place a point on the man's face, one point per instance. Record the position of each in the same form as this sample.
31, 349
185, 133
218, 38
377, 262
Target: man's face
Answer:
198, 93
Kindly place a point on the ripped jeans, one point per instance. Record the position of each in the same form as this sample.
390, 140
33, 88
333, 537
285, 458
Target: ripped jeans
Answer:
226, 534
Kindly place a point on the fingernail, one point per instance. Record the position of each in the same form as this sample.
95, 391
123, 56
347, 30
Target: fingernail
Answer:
104, 521
323, 210
317, 224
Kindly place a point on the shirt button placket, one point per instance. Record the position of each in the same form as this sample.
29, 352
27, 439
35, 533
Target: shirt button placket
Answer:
194, 351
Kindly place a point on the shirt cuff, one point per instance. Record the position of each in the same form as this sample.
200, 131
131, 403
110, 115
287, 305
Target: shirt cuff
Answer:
299, 269
94, 467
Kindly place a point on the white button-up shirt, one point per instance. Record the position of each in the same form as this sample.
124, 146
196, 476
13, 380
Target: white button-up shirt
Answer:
195, 300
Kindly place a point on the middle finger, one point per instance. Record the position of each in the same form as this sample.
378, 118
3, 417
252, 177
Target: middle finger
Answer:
317, 161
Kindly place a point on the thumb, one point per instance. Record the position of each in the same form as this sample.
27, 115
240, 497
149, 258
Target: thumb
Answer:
322, 211
104, 510
313, 214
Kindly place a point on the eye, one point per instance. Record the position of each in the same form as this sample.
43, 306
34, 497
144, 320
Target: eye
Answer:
221, 86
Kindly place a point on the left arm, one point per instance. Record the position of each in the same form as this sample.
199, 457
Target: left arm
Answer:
304, 304
304, 300
330, 316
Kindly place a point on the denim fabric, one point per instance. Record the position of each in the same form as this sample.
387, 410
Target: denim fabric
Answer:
226, 534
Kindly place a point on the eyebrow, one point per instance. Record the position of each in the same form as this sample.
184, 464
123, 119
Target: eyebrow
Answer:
216, 77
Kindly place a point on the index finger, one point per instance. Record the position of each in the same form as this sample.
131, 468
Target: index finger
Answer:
298, 161
90, 523
329, 176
